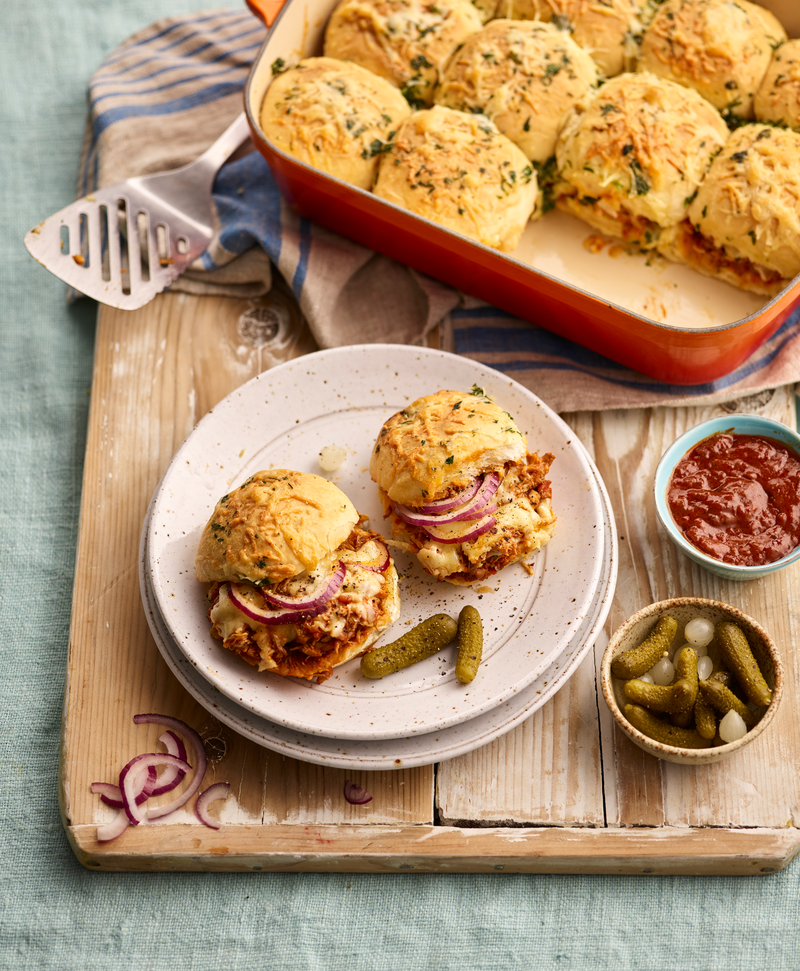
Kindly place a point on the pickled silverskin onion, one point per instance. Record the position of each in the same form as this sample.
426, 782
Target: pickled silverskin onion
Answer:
321, 592
355, 795
474, 508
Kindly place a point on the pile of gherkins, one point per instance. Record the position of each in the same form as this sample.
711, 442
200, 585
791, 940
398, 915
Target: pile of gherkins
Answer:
687, 713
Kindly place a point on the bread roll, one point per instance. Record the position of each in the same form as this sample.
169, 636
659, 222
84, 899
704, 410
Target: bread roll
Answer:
743, 225
632, 155
524, 75
459, 171
277, 524
333, 115
296, 536
609, 30
720, 48
778, 99
405, 41
462, 448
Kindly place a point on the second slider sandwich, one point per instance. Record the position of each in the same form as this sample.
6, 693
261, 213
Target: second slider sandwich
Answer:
460, 487
298, 585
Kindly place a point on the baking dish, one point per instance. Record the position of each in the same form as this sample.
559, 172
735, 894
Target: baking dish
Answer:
662, 319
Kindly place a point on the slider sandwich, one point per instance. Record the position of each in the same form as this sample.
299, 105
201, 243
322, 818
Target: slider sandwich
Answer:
743, 224
460, 488
297, 584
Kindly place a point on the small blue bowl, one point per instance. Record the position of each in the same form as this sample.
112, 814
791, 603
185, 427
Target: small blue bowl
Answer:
740, 425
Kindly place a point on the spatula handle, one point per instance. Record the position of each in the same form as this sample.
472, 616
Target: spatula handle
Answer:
227, 143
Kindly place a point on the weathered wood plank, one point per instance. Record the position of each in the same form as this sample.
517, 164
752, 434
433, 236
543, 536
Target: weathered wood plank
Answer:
444, 849
157, 372
761, 785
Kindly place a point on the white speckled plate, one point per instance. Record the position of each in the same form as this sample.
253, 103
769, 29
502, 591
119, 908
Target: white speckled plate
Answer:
400, 752
282, 419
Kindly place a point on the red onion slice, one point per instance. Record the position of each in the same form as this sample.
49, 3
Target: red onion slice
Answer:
198, 753
355, 795
380, 563
219, 790
467, 537
127, 780
443, 505
110, 793
263, 615
320, 593
115, 828
475, 508
171, 776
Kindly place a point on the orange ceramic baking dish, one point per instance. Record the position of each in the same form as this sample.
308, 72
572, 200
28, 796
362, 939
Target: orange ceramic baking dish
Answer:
661, 319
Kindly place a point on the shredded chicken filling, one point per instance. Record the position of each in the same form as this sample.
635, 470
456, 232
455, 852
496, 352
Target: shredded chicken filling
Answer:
361, 605
524, 523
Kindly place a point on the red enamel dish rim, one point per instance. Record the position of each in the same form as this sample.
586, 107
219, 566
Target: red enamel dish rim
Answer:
669, 354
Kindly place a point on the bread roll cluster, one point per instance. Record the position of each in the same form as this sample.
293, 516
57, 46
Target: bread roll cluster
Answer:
618, 112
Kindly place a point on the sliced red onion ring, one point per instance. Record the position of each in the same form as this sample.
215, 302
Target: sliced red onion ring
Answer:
138, 780
110, 793
263, 615
443, 505
115, 828
467, 537
380, 563
127, 780
321, 592
475, 508
198, 753
171, 776
355, 795
219, 790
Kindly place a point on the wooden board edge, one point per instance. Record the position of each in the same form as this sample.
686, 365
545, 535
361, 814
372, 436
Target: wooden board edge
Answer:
440, 849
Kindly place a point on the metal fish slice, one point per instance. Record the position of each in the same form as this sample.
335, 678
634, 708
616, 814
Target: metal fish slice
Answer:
124, 244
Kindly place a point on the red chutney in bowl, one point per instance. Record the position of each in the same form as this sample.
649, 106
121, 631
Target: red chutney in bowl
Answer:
737, 498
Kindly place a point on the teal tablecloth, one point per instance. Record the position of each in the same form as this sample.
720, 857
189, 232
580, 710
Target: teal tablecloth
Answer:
55, 914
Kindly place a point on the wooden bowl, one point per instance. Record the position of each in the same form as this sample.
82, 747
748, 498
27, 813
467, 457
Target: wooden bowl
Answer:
684, 609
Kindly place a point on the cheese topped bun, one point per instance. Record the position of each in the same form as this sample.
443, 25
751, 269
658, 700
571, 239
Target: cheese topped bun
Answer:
334, 116
460, 487
721, 48
608, 29
405, 41
524, 75
743, 225
778, 98
458, 170
298, 585
632, 155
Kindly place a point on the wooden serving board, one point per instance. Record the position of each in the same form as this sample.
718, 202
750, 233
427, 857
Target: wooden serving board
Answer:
563, 792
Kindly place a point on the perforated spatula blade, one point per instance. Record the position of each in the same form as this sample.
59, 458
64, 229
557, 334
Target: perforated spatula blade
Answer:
124, 244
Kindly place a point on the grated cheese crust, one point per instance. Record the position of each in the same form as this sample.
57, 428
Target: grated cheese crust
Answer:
333, 115
523, 75
459, 171
405, 41
631, 155
720, 48
609, 30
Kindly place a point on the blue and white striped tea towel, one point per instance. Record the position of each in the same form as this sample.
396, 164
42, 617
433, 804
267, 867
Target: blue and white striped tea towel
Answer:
168, 91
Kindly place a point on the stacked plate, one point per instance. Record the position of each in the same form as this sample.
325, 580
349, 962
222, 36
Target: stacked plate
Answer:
537, 625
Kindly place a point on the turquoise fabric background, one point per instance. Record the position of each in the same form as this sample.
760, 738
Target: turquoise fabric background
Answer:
55, 914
